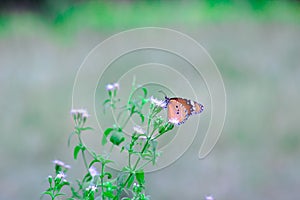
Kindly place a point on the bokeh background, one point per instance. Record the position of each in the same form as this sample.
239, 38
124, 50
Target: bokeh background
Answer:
254, 43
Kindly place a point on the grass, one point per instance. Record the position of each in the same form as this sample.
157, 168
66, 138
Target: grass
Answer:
111, 16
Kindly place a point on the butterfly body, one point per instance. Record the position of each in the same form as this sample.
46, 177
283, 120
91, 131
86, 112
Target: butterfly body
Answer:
180, 109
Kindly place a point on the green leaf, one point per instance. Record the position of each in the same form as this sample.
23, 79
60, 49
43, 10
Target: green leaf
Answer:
117, 138
126, 169
144, 101
107, 161
65, 183
157, 122
106, 101
87, 177
130, 103
146, 154
47, 192
165, 128
132, 110
109, 176
142, 117
121, 178
140, 177
107, 131
70, 137
130, 180
109, 194
122, 149
79, 184
105, 134
154, 147
75, 194
94, 154
76, 151
119, 129
86, 128
145, 92
93, 162
101, 159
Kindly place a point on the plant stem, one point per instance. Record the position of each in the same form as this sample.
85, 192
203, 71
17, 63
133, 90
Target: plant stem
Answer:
84, 160
139, 159
141, 153
146, 163
102, 181
126, 121
129, 160
124, 185
82, 151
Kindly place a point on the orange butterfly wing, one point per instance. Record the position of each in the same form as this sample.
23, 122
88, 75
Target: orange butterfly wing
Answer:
176, 111
192, 107
180, 109
198, 108
186, 103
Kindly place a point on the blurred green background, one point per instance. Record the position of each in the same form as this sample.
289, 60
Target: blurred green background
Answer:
254, 43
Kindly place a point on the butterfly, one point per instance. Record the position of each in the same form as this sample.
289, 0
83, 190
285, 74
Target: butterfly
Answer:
180, 109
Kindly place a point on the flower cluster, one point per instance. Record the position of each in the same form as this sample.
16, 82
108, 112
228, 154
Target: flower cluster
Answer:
93, 171
60, 168
157, 102
113, 86
61, 164
58, 182
61, 175
209, 197
92, 188
139, 130
79, 113
80, 116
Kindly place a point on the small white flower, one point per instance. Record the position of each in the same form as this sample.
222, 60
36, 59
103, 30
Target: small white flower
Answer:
110, 87
157, 102
82, 111
68, 166
74, 112
174, 121
85, 115
59, 163
209, 197
138, 129
143, 137
60, 175
116, 86
92, 188
113, 86
93, 171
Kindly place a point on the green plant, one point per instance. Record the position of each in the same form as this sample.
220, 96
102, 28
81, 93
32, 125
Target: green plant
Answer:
140, 147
